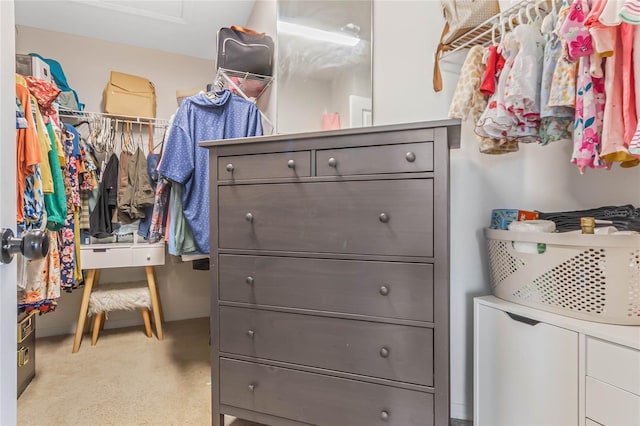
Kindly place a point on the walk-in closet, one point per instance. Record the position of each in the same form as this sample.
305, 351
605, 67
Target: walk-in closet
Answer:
320, 212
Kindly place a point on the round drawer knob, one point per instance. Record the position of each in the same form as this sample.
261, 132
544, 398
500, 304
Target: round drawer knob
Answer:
332, 162
230, 168
249, 217
249, 280
384, 290
291, 164
384, 217
384, 415
251, 333
148, 257
251, 387
410, 156
384, 352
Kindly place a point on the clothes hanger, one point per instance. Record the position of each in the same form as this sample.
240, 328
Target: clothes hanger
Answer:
164, 133
502, 33
122, 141
112, 136
493, 33
140, 141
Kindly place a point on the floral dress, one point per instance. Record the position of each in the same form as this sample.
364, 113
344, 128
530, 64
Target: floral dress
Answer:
563, 83
589, 114
497, 121
522, 89
68, 237
556, 122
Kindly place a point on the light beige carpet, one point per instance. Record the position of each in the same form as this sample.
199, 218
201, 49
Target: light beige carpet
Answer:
126, 379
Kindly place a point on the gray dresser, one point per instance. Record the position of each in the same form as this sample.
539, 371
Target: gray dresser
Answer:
330, 290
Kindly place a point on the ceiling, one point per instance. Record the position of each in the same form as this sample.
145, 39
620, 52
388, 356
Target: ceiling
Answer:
186, 27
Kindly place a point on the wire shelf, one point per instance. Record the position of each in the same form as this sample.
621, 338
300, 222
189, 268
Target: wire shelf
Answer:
492, 28
248, 85
69, 113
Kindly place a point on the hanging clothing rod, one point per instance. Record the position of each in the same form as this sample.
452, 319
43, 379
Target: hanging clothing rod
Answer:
122, 118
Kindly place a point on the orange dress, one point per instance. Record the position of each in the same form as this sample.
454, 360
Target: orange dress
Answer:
28, 153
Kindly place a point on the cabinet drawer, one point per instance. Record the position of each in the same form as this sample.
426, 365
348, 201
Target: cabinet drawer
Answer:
385, 289
279, 165
614, 364
406, 158
92, 257
148, 255
321, 400
609, 405
393, 217
387, 351
26, 352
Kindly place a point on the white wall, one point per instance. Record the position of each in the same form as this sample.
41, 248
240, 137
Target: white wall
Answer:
357, 82
298, 113
87, 62
537, 177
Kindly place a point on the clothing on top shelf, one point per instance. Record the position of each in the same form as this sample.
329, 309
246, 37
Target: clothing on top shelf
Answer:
567, 76
199, 119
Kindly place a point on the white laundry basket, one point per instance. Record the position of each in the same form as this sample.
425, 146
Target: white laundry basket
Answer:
589, 277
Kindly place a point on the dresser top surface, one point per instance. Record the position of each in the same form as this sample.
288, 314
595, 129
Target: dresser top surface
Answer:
452, 125
628, 335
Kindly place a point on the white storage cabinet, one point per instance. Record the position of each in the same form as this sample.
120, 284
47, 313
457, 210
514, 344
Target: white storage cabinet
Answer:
537, 368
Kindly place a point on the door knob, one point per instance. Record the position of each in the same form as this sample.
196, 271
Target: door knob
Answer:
33, 245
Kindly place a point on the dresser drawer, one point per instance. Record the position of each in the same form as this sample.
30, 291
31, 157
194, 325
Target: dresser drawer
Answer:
279, 165
385, 289
405, 158
318, 399
388, 351
614, 364
610, 406
96, 257
387, 217
148, 255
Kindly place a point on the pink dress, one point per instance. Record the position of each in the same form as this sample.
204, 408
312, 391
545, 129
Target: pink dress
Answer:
620, 120
590, 95
590, 101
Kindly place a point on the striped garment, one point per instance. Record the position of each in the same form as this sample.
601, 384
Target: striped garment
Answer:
630, 12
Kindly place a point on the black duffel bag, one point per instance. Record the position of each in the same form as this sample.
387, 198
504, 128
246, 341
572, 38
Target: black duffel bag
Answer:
246, 50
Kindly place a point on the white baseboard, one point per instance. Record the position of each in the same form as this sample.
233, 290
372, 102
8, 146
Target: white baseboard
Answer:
461, 411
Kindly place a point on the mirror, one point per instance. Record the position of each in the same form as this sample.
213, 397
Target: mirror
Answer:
324, 65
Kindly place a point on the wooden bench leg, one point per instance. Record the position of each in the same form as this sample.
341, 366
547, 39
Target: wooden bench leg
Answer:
88, 324
97, 323
146, 317
155, 304
92, 277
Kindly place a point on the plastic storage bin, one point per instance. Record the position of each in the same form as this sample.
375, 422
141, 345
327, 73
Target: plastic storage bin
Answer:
589, 277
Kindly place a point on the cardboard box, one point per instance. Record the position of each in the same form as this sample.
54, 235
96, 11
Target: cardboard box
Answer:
129, 95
